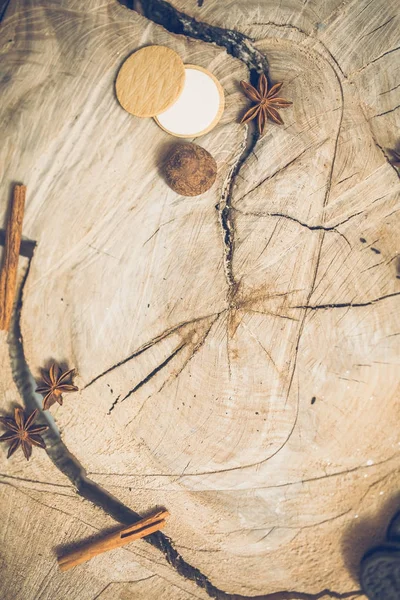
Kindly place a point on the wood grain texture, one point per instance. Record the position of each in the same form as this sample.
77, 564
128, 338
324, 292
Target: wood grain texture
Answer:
150, 81
237, 353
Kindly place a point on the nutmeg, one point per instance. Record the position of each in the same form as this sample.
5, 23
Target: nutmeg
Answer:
190, 170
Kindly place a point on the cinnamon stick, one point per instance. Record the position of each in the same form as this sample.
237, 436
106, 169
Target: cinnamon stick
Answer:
8, 274
114, 540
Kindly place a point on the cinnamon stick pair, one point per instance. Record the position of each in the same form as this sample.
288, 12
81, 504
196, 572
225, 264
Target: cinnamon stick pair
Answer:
114, 540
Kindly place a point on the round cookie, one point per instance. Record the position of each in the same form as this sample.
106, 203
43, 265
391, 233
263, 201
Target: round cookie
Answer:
190, 170
150, 81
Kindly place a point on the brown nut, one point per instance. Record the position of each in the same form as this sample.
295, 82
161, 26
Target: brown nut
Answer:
190, 170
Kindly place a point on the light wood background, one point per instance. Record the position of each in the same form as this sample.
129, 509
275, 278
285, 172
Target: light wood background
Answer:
198, 366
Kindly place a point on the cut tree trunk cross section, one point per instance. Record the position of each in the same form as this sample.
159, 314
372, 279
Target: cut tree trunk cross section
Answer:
237, 353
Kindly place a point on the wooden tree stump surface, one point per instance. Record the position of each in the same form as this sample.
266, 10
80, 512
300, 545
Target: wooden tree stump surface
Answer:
237, 353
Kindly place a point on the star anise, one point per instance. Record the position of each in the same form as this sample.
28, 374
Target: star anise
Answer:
266, 103
54, 385
22, 432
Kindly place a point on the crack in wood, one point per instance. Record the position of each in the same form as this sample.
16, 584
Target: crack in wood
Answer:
375, 60
386, 112
390, 90
236, 43
152, 373
179, 371
306, 225
113, 405
285, 166
377, 28
148, 345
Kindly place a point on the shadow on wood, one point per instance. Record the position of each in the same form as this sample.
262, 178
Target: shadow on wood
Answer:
363, 534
